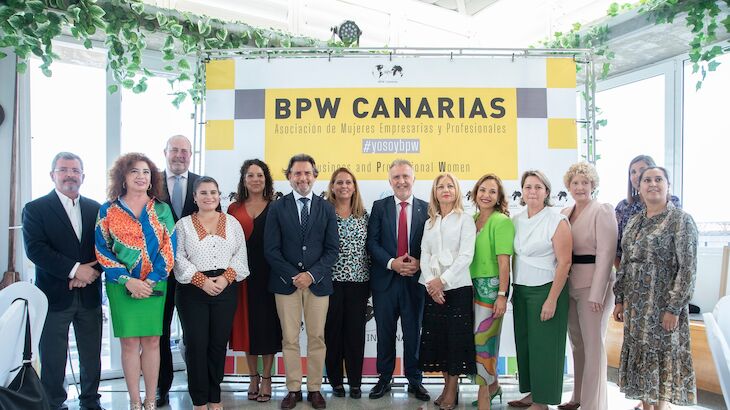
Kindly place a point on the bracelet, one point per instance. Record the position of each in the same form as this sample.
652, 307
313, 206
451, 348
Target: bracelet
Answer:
502, 293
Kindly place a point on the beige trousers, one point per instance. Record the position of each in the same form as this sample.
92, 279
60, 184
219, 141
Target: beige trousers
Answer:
587, 331
290, 309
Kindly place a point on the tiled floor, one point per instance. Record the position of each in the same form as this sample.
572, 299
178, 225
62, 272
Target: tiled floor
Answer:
114, 397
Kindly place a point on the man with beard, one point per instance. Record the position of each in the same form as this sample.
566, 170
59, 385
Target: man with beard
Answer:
58, 230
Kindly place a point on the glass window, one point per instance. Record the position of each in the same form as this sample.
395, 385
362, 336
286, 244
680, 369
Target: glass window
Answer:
149, 119
635, 115
705, 149
68, 113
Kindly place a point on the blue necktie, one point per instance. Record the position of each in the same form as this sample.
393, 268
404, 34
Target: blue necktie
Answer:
304, 214
177, 198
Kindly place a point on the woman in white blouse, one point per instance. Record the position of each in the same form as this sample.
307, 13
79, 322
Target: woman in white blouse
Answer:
543, 249
210, 259
447, 248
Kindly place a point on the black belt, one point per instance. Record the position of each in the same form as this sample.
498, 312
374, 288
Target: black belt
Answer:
584, 259
213, 273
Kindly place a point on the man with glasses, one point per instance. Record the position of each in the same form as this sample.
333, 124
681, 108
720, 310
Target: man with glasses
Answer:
58, 230
179, 184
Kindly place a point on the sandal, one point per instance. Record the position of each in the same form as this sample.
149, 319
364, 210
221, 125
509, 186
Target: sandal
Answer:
571, 405
264, 397
253, 394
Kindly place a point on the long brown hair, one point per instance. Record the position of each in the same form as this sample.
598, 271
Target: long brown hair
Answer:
501, 206
242, 193
120, 169
433, 204
358, 209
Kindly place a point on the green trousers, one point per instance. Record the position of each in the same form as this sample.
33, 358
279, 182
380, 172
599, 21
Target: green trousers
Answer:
540, 345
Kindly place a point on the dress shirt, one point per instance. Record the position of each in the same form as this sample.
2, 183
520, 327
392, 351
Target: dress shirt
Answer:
409, 212
73, 210
199, 251
535, 261
171, 184
447, 249
300, 204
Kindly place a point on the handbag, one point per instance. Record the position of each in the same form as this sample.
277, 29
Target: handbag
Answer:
25, 392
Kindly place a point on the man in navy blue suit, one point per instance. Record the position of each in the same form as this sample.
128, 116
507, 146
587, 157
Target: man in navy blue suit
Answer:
395, 230
58, 230
301, 244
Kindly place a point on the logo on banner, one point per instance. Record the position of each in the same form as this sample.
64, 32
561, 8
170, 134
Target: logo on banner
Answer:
387, 74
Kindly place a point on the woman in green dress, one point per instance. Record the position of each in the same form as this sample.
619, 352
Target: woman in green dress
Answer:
135, 245
490, 277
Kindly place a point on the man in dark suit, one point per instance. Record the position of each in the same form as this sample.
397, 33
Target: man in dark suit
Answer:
301, 244
395, 230
58, 230
179, 185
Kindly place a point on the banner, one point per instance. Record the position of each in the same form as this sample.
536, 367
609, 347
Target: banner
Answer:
468, 116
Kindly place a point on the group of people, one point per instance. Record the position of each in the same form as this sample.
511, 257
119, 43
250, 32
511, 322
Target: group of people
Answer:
244, 279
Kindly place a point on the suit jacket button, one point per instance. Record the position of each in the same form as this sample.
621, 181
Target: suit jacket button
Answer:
304, 248
300, 264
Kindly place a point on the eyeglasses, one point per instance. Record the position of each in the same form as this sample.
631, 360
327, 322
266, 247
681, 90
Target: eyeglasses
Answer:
64, 170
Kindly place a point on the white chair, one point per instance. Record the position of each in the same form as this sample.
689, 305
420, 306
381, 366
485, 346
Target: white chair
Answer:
717, 325
12, 325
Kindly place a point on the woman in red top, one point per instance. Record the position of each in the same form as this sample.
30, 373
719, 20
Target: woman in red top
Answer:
256, 328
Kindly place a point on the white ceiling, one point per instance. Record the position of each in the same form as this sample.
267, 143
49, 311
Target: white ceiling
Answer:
409, 23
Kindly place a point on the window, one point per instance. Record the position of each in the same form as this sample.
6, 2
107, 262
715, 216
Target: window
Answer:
636, 125
149, 119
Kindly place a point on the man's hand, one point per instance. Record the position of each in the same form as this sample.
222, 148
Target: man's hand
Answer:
405, 265
75, 283
86, 274
303, 280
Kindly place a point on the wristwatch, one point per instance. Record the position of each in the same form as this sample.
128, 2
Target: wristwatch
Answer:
502, 293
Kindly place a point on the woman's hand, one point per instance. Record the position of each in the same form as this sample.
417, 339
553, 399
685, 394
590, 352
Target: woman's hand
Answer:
434, 286
596, 307
548, 310
618, 312
138, 288
439, 298
221, 282
670, 321
211, 287
500, 306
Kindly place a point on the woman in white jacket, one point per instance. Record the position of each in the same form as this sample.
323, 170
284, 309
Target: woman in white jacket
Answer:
447, 248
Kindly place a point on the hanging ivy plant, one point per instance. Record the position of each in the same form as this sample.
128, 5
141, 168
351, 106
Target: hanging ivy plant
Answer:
29, 26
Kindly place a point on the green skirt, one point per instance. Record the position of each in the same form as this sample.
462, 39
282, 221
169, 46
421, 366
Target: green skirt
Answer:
136, 317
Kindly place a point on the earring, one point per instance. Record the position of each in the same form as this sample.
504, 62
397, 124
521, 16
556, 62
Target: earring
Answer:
149, 188
124, 185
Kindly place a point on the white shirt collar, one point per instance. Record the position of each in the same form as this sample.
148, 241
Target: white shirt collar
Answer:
398, 201
66, 201
297, 195
170, 175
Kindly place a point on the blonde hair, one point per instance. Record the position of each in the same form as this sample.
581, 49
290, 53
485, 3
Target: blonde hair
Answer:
545, 181
358, 209
581, 168
433, 204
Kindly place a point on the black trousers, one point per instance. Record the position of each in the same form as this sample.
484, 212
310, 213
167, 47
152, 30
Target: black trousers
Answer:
164, 382
206, 322
54, 344
344, 332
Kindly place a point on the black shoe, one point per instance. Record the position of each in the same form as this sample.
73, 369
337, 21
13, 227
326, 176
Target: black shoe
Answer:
355, 392
162, 399
419, 392
381, 387
338, 391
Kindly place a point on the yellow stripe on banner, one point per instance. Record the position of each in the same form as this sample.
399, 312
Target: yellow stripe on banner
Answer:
220, 75
560, 73
219, 135
562, 133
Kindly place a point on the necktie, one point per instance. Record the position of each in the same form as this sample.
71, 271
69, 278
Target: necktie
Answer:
304, 214
74, 217
402, 230
177, 199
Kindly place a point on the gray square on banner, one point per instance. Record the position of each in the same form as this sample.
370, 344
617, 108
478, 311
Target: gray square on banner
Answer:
531, 103
249, 105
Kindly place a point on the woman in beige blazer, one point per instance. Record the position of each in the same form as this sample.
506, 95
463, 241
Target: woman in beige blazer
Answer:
594, 230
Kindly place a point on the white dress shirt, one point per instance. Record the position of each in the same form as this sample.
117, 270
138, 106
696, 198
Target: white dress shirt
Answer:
447, 249
535, 261
300, 204
199, 251
73, 211
183, 184
409, 212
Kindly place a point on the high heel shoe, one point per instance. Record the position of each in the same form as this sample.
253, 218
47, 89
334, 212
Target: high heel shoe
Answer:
264, 397
440, 399
253, 394
135, 406
496, 393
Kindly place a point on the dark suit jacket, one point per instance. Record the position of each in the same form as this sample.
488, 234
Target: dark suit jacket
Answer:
51, 244
383, 239
188, 205
289, 254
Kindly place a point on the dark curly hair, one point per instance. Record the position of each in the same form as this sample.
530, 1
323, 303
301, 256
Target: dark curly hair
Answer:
120, 169
242, 193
